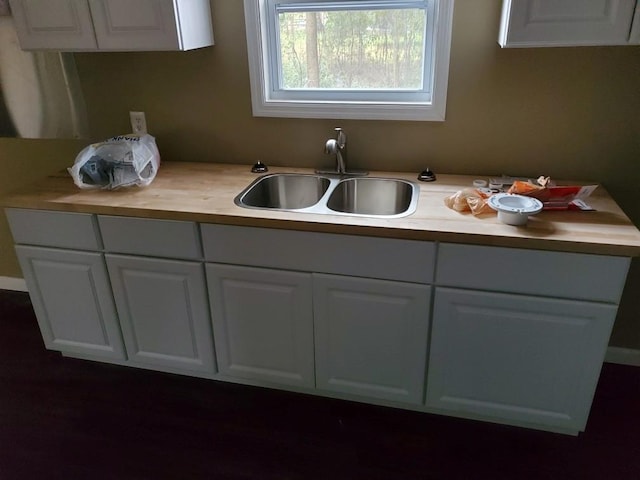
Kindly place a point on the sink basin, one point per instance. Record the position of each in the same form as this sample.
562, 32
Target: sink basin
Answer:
334, 195
374, 196
284, 191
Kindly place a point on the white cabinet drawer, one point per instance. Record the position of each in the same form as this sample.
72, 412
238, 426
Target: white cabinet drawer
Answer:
54, 229
149, 237
553, 274
384, 258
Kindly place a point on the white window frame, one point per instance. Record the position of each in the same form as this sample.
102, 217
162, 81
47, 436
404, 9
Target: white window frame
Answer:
268, 101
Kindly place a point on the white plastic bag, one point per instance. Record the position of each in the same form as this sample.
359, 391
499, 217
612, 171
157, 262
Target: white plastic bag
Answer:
117, 162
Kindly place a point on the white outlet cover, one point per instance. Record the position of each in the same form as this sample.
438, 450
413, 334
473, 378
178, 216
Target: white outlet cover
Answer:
138, 123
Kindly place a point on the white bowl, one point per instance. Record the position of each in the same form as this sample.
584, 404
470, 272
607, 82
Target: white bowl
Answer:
514, 209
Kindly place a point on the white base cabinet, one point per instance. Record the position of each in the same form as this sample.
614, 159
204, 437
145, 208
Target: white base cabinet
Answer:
519, 336
61, 260
72, 300
263, 324
512, 336
513, 357
365, 338
104, 25
371, 337
163, 310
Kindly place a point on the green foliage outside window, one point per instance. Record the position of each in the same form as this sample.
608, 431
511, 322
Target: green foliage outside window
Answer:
360, 49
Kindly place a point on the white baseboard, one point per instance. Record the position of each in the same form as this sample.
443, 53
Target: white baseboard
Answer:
12, 283
623, 356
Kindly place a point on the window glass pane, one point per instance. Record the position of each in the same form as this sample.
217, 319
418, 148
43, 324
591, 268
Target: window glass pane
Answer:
358, 49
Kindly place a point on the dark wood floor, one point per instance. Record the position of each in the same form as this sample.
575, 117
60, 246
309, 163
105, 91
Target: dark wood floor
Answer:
70, 419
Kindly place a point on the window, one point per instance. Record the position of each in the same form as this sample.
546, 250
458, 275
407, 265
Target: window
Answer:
349, 59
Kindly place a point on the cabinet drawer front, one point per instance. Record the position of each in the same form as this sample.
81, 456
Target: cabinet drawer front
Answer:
384, 258
54, 229
155, 238
553, 274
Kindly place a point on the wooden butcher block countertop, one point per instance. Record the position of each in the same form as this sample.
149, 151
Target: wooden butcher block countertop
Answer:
204, 192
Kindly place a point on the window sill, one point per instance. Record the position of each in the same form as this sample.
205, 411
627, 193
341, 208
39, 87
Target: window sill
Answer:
349, 111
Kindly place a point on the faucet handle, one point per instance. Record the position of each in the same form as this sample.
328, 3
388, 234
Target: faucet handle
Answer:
341, 137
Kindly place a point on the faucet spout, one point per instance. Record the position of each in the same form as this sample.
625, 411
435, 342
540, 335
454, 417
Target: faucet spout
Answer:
338, 147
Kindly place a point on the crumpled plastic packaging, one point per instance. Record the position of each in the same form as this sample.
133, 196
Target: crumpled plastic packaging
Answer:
469, 200
120, 161
529, 189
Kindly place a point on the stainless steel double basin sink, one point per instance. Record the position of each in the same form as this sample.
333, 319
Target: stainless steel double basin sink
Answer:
324, 194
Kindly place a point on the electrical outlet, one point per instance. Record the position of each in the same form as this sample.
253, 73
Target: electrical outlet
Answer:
138, 123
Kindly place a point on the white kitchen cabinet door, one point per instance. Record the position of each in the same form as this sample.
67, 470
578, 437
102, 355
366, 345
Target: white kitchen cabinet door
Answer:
72, 300
53, 24
112, 25
371, 337
552, 23
262, 323
515, 358
163, 310
152, 24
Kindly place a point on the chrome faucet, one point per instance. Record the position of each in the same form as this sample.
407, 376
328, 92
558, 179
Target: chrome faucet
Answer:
338, 146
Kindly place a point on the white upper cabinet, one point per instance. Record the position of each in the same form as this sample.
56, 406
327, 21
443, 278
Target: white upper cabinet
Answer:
89, 25
557, 23
152, 24
53, 24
